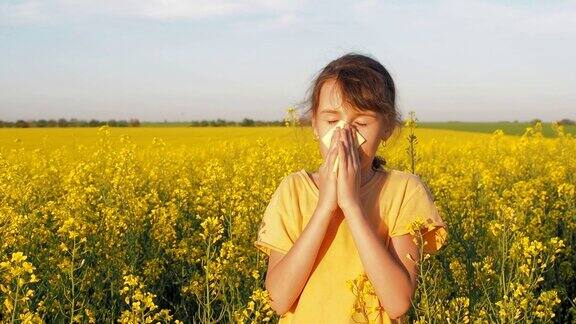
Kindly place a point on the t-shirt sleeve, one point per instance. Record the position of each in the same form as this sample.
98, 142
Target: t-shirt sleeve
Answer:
274, 231
419, 204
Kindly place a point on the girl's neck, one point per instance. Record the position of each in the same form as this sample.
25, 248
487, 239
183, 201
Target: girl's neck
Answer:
366, 176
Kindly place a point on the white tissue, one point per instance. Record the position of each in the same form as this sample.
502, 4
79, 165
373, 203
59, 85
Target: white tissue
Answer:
327, 139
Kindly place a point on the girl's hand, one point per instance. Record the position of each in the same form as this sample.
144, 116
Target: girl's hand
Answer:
327, 186
348, 183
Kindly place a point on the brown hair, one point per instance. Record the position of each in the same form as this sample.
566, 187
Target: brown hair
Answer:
365, 85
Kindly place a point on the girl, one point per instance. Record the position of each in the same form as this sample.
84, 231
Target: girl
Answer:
324, 229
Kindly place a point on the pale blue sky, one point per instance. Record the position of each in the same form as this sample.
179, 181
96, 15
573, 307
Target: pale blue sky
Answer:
184, 60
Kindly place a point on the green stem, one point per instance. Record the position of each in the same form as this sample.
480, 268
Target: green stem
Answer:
207, 314
72, 280
15, 302
423, 277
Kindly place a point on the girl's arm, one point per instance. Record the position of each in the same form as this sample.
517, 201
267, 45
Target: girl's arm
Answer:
287, 273
393, 278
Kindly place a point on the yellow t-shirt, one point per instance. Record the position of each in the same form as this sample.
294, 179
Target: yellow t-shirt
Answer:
391, 200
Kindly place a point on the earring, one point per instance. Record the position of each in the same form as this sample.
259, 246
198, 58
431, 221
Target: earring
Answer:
316, 137
384, 141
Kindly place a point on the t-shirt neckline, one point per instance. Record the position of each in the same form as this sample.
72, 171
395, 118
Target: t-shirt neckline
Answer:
363, 189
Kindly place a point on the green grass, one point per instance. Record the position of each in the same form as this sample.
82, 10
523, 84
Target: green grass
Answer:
509, 128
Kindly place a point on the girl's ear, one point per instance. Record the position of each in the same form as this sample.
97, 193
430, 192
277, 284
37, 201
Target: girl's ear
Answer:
386, 131
387, 134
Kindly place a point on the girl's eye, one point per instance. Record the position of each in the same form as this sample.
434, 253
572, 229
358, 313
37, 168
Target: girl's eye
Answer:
335, 121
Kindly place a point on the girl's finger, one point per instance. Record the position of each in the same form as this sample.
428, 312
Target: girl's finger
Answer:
355, 154
334, 139
343, 136
355, 138
333, 153
348, 141
350, 146
346, 144
342, 161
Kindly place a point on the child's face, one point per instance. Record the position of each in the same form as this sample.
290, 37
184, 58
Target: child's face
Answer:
369, 124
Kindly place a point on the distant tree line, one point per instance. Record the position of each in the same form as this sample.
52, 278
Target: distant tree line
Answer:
134, 122
564, 121
73, 122
63, 122
567, 121
246, 122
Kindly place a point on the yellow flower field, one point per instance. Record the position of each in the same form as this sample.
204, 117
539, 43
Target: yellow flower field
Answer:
158, 224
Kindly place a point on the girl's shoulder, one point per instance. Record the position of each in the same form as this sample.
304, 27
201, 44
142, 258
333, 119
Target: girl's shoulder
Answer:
402, 184
288, 183
400, 174
406, 177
